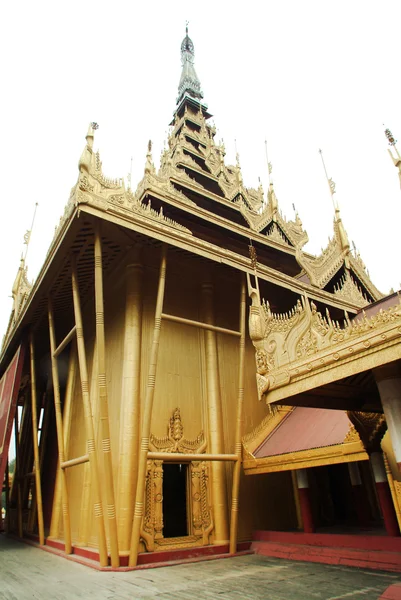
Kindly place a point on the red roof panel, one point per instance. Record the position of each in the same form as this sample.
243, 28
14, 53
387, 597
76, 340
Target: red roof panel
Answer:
304, 429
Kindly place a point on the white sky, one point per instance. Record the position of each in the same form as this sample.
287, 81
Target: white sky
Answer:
303, 75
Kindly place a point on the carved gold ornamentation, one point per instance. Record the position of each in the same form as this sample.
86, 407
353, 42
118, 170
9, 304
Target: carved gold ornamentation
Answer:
352, 435
303, 341
349, 290
370, 426
199, 502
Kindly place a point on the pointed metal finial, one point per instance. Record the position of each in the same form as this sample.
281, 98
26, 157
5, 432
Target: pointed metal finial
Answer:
186, 27
269, 165
390, 137
27, 236
94, 125
129, 177
332, 185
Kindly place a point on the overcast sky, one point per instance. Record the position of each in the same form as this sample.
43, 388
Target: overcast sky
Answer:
303, 75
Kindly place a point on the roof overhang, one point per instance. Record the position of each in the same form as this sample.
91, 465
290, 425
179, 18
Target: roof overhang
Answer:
300, 438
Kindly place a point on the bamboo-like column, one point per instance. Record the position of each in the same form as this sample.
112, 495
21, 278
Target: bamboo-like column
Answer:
85, 509
103, 401
17, 474
147, 417
60, 433
215, 413
72, 368
238, 429
90, 433
130, 403
38, 486
393, 491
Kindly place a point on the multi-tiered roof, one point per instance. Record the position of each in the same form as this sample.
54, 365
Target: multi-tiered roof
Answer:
197, 202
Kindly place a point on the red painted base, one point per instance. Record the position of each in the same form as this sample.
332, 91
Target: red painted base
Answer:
306, 509
146, 560
371, 552
335, 540
387, 506
392, 593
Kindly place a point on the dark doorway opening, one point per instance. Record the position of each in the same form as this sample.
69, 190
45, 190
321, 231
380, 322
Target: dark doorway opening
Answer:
175, 500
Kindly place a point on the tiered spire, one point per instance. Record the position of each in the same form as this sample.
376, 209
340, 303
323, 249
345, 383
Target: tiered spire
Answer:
189, 82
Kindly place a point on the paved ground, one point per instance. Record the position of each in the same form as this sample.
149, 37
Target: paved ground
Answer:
27, 572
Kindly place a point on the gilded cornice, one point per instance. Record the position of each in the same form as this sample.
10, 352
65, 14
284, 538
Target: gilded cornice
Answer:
301, 343
306, 459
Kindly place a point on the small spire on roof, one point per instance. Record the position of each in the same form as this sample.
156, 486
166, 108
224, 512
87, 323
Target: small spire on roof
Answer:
189, 82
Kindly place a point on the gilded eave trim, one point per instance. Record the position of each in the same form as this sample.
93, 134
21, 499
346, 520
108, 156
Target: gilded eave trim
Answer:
304, 459
211, 251
356, 355
218, 220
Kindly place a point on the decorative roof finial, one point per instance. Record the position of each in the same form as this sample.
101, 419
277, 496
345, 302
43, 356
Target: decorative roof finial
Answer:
338, 224
27, 236
149, 166
332, 185
189, 82
269, 165
396, 159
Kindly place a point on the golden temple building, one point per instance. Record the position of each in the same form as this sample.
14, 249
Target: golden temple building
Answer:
182, 375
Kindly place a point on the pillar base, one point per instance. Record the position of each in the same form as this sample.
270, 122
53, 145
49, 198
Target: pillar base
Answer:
386, 504
306, 510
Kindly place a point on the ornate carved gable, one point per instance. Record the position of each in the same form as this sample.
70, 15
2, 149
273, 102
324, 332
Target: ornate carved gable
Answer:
175, 440
284, 340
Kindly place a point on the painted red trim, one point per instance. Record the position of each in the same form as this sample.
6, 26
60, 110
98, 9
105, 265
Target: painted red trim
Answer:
331, 540
90, 558
384, 561
147, 558
387, 506
393, 592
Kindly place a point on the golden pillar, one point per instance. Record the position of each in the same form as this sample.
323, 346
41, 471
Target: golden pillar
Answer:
238, 428
147, 416
130, 403
89, 427
215, 415
60, 432
103, 400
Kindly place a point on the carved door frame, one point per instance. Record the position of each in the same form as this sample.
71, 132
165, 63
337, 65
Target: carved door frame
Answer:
199, 513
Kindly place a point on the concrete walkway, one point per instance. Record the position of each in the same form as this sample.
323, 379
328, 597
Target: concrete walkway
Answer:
28, 572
